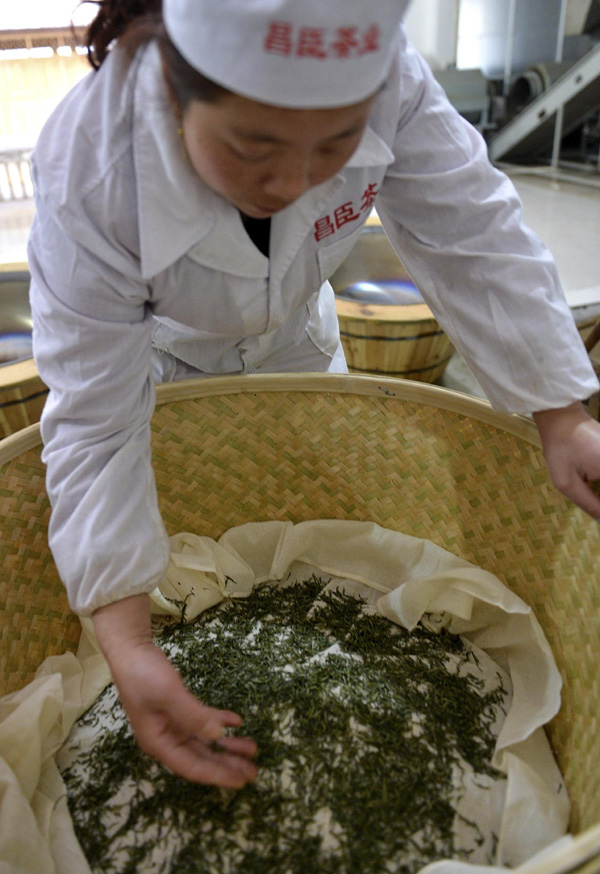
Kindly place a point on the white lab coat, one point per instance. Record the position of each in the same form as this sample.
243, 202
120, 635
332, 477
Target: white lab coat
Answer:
129, 249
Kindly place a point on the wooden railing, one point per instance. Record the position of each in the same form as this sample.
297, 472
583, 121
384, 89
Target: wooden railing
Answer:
15, 175
54, 37
37, 68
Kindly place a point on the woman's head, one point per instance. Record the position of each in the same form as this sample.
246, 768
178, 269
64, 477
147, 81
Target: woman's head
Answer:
135, 22
261, 158
272, 96
306, 54
298, 54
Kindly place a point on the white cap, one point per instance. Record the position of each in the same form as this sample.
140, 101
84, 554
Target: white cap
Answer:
291, 53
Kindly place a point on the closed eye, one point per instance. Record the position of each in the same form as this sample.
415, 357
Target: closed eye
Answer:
249, 156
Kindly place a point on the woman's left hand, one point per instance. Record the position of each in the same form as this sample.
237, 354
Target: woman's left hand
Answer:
571, 445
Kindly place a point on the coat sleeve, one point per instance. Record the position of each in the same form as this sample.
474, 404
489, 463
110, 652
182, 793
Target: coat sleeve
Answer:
455, 221
92, 347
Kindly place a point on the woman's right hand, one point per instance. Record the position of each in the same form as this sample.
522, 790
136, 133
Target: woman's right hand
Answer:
168, 722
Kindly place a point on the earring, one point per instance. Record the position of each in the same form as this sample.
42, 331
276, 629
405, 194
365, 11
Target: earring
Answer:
184, 153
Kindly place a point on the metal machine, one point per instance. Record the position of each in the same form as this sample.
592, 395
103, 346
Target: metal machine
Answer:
534, 90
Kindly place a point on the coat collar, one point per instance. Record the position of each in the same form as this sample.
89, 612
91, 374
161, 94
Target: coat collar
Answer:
372, 151
168, 190
178, 213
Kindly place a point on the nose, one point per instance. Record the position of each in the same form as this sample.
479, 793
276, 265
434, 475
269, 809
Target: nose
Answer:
289, 179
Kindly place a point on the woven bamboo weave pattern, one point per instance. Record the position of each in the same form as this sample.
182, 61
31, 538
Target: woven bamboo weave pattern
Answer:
469, 487
35, 617
256, 448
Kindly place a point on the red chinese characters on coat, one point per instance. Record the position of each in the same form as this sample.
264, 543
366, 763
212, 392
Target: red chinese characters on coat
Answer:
322, 43
342, 215
369, 195
324, 227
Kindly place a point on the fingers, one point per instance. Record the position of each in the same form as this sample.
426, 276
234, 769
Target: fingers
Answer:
198, 764
581, 494
220, 761
192, 719
571, 445
184, 734
225, 718
575, 481
226, 762
240, 746
171, 725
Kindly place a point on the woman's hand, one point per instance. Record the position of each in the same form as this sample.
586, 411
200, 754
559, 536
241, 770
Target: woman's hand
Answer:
169, 723
571, 445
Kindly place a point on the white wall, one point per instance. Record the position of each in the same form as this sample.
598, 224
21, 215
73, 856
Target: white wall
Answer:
490, 39
577, 12
432, 26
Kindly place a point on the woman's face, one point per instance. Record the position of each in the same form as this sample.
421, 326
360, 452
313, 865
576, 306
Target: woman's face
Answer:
261, 158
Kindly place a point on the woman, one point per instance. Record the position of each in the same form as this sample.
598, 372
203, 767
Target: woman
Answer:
193, 197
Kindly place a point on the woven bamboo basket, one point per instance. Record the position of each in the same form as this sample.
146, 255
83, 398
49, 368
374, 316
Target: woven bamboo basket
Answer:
22, 396
411, 457
385, 339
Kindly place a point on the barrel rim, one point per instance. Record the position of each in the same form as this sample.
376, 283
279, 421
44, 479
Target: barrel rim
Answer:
364, 311
17, 373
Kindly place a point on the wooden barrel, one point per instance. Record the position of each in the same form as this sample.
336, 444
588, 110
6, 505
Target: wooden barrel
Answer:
401, 341
22, 396
22, 392
387, 339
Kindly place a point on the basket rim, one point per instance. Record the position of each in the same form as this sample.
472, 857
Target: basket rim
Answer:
336, 383
574, 856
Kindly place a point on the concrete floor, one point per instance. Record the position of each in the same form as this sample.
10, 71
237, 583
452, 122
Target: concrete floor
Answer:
564, 213
566, 216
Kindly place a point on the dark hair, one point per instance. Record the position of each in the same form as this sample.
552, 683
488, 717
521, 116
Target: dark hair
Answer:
133, 23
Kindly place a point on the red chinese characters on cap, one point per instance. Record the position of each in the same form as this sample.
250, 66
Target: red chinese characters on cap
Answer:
283, 38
